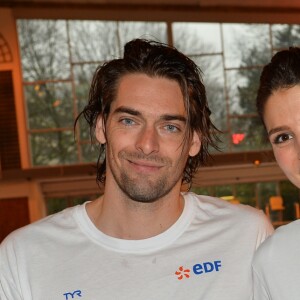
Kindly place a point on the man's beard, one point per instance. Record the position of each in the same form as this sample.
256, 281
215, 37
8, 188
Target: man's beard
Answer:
141, 188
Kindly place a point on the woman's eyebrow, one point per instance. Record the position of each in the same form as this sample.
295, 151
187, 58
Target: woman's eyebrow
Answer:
278, 129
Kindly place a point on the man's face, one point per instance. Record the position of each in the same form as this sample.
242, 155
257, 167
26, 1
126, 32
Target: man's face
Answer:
146, 150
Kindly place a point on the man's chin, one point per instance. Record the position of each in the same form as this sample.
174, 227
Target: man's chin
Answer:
146, 195
144, 192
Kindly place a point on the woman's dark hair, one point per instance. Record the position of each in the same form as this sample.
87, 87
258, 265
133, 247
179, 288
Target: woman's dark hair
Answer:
156, 60
282, 72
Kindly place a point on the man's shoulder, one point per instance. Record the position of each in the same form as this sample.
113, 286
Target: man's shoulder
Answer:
39, 230
244, 223
220, 206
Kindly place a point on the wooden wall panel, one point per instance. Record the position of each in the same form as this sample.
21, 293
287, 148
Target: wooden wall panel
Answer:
13, 215
9, 142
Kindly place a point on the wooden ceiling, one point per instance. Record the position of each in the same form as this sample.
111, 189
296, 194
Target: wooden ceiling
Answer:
160, 10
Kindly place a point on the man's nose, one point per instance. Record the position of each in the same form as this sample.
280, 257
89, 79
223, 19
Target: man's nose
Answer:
148, 141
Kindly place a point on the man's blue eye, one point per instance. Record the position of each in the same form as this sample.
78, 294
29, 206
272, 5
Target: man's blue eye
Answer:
127, 121
171, 128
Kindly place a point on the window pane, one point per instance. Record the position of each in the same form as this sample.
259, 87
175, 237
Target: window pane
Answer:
83, 74
223, 190
55, 205
201, 191
225, 142
246, 45
89, 152
285, 35
53, 148
290, 195
247, 134
94, 40
245, 193
242, 86
213, 79
265, 191
148, 30
197, 38
44, 49
49, 105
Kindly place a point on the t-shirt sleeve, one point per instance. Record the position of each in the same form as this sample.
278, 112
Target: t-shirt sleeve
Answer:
9, 287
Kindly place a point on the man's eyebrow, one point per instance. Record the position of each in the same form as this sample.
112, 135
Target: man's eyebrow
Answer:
278, 129
165, 117
127, 110
168, 117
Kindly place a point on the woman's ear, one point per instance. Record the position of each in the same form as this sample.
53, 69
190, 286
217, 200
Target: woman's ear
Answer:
100, 130
195, 144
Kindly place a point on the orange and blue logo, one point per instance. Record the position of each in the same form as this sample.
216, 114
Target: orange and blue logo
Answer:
182, 272
198, 269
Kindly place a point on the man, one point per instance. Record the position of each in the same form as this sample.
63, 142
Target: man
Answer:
143, 239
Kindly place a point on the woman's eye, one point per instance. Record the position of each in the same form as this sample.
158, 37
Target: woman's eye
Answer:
281, 138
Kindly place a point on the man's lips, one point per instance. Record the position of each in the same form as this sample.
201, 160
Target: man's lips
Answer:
140, 161
145, 164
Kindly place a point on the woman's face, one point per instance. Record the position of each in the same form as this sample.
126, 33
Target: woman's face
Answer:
282, 120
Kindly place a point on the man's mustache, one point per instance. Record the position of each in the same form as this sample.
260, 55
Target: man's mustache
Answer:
142, 157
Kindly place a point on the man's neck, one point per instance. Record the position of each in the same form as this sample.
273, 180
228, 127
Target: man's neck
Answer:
120, 217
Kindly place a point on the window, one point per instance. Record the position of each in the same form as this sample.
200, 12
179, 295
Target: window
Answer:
59, 58
231, 57
58, 61
257, 194
55, 205
290, 195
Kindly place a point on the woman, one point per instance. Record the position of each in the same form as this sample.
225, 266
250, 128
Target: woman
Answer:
276, 266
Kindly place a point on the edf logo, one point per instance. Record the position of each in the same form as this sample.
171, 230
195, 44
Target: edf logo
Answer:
198, 269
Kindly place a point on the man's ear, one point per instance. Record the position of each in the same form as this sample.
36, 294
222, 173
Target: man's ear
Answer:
100, 130
195, 144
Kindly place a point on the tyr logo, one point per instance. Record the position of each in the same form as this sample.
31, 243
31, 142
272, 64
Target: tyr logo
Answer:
71, 295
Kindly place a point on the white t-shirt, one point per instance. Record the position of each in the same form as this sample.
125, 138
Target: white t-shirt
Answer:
206, 254
277, 265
